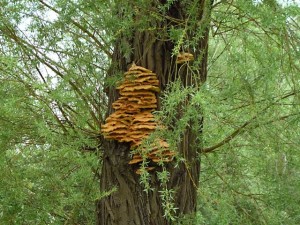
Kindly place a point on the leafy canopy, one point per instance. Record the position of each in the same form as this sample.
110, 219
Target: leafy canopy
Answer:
53, 64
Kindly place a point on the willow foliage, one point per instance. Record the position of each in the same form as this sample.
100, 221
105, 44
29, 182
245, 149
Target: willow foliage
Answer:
53, 63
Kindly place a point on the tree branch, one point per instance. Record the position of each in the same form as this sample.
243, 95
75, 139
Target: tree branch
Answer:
78, 25
241, 129
229, 137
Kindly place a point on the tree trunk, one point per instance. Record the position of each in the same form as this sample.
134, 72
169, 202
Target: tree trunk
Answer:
130, 204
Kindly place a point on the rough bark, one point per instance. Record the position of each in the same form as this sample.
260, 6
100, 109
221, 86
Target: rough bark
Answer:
130, 204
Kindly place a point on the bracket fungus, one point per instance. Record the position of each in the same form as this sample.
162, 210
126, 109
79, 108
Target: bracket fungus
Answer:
184, 57
133, 120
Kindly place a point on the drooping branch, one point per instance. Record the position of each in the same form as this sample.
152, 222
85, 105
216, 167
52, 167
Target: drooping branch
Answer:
31, 51
103, 47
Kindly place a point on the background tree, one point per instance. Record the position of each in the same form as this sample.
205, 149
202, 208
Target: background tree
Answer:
60, 63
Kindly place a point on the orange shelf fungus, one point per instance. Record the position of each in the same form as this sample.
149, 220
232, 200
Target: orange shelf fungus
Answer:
184, 57
133, 120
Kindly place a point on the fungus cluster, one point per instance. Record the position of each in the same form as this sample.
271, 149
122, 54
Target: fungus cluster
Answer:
184, 57
133, 120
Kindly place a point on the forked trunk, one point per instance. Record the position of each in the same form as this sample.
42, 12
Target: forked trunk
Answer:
130, 204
